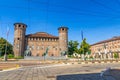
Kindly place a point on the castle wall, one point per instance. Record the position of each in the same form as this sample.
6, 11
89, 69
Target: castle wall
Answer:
38, 46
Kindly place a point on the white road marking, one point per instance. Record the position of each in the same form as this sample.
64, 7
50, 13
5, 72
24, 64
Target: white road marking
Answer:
9, 69
57, 65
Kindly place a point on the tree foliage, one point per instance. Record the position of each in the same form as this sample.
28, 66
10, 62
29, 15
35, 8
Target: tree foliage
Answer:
116, 55
84, 47
3, 47
72, 47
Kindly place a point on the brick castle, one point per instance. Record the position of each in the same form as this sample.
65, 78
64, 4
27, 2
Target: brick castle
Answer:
37, 44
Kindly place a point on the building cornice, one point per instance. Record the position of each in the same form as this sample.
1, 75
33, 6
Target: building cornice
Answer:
108, 40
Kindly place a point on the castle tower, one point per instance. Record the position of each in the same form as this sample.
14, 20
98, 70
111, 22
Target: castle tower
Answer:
63, 39
19, 39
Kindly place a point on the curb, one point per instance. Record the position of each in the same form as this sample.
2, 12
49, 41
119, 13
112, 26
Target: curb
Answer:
9, 69
91, 62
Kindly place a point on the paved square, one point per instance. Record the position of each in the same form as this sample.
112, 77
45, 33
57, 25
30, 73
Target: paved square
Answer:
59, 72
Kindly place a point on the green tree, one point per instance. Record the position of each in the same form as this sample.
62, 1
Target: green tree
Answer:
72, 47
3, 46
116, 55
84, 47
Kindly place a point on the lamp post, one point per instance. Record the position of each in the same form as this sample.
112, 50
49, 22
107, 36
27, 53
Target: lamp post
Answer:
5, 55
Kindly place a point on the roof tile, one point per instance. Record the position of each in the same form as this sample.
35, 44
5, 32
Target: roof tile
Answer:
41, 35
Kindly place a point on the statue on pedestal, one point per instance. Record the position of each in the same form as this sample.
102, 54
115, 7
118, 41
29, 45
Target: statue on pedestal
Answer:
27, 52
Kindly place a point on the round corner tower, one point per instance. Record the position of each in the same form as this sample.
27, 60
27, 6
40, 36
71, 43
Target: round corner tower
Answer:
63, 39
19, 39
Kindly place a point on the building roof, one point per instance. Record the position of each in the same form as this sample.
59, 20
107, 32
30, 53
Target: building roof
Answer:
108, 40
41, 35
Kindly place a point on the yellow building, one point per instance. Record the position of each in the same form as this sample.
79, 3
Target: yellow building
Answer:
107, 48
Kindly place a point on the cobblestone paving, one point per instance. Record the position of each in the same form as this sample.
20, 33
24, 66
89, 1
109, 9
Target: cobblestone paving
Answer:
59, 72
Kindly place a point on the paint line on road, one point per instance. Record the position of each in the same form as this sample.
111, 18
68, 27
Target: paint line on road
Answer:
53, 66
5, 70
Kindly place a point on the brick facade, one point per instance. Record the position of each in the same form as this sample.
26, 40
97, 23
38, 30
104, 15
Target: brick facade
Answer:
39, 42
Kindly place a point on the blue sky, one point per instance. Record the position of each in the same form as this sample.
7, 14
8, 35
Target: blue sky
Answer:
98, 19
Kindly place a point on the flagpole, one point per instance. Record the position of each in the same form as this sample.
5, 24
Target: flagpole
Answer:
82, 35
82, 41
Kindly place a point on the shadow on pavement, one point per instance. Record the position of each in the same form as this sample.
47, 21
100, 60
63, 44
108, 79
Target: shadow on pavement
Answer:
115, 73
88, 76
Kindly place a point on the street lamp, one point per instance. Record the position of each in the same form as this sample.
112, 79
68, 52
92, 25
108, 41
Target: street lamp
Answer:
5, 55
